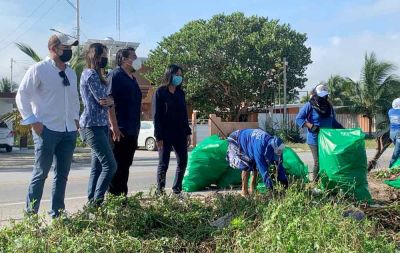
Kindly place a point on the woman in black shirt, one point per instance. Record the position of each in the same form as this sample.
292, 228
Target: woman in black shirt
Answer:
171, 127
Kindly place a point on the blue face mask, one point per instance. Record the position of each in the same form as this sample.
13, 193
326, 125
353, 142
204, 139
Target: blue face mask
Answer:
176, 80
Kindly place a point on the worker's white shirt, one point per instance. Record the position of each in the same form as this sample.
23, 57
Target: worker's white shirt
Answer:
42, 97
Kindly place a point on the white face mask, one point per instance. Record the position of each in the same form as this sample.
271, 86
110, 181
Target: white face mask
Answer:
137, 64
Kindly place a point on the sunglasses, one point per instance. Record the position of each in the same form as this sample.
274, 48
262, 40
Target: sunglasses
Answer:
64, 77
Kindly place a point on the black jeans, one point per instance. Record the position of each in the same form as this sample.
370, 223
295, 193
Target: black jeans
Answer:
124, 150
181, 152
314, 151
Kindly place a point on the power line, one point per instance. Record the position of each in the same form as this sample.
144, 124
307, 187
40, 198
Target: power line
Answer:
34, 23
23, 22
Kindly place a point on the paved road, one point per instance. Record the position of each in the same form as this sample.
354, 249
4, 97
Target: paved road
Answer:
16, 169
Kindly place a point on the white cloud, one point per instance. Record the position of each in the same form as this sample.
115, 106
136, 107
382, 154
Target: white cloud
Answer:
347, 57
336, 40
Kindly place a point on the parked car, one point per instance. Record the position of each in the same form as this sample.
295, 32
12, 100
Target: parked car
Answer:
6, 137
146, 137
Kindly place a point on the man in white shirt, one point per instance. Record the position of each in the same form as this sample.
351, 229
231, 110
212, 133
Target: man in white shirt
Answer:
48, 101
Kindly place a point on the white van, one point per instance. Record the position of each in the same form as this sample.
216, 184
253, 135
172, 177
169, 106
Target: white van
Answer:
6, 137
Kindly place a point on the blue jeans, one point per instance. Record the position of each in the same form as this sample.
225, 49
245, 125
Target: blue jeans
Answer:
103, 164
50, 144
395, 137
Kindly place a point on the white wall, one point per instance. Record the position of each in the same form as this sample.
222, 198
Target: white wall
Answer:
275, 121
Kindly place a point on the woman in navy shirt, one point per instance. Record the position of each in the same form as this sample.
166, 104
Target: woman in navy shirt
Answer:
315, 114
94, 122
171, 127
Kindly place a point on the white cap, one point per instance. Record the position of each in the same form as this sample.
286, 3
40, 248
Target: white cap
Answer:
63, 39
67, 40
321, 90
396, 103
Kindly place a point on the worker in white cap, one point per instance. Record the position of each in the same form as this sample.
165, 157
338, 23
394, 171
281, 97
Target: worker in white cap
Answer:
317, 113
394, 118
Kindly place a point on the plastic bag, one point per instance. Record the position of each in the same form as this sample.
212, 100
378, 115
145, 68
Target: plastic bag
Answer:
294, 166
207, 163
343, 162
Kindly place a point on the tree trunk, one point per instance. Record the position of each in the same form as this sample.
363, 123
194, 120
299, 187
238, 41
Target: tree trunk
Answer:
370, 126
23, 141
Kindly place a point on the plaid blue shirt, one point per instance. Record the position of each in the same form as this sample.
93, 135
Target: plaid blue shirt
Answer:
92, 90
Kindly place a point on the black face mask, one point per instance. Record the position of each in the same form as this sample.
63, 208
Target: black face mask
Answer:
321, 105
66, 55
103, 62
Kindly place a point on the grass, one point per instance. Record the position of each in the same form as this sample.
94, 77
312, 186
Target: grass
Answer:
294, 221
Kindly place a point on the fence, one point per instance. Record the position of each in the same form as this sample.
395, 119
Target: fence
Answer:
347, 120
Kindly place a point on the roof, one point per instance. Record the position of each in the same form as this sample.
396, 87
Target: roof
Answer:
113, 45
7, 97
7, 94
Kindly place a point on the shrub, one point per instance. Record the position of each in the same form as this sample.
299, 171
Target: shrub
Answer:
292, 221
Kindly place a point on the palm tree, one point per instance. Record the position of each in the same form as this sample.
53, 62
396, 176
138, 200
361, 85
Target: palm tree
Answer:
376, 89
338, 94
6, 85
28, 50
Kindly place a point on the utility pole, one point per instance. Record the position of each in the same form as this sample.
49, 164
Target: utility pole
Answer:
77, 24
76, 8
117, 17
11, 67
11, 76
284, 93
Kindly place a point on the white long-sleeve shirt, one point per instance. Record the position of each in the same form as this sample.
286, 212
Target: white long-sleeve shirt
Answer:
42, 97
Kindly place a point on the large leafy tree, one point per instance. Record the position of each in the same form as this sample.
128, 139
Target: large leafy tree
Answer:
376, 89
233, 61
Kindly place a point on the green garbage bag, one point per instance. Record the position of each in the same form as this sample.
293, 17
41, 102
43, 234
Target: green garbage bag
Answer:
231, 177
393, 183
294, 166
207, 163
395, 164
343, 162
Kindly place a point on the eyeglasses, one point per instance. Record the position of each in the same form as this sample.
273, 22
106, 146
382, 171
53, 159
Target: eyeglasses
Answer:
64, 77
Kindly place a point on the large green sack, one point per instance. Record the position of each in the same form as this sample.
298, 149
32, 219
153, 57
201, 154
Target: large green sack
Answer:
343, 162
207, 163
231, 177
393, 183
294, 166
395, 164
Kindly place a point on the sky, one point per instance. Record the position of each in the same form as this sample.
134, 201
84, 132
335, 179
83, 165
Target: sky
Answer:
339, 32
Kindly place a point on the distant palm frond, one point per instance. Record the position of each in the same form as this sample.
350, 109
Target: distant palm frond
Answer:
28, 50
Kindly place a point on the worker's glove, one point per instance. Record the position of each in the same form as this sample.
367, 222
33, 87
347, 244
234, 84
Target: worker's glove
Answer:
315, 129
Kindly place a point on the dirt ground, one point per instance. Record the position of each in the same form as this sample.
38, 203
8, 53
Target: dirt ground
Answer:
380, 191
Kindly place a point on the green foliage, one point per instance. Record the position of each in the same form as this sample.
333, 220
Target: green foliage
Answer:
290, 222
29, 51
338, 91
290, 134
374, 92
7, 86
387, 173
15, 117
231, 60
